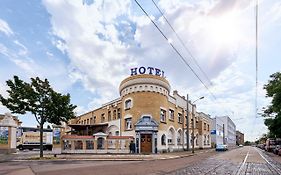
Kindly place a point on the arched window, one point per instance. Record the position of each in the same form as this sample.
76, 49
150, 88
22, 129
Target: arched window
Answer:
163, 139
128, 104
171, 136
179, 137
196, 139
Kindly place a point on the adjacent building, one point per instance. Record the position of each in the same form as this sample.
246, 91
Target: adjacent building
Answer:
145, 113
223, 131
239, 138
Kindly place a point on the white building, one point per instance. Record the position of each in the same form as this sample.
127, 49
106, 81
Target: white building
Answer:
223, 131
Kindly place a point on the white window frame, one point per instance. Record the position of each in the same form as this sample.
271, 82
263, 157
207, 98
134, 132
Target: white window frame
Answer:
180, 118
125, 103
170, 112
128, 127
163, 115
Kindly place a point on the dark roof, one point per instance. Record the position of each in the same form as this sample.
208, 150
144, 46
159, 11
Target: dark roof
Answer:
82, 126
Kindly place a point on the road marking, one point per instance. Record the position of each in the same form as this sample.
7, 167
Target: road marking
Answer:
243, 163
272, 165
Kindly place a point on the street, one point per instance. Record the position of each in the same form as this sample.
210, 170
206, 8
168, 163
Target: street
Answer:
246, 160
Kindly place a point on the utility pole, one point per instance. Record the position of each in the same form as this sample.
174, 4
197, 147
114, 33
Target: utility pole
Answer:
187, 123
193, 118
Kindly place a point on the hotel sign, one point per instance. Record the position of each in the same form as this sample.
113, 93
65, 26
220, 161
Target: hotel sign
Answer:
147, 70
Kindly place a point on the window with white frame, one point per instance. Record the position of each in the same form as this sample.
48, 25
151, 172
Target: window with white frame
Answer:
162, 115
179, 118
128, 104
179, 139
128, 123
171, 114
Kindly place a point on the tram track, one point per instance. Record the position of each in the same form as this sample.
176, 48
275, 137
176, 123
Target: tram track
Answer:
269, 167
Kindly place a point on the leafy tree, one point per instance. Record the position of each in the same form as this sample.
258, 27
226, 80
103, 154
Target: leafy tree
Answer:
39, 99
273, 89
247, 143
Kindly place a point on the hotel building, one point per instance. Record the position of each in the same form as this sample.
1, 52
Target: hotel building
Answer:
146, 113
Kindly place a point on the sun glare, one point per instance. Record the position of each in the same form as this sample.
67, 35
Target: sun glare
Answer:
224, 30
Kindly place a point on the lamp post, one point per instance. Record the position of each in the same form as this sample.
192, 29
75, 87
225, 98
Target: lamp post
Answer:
193, 121
187, 123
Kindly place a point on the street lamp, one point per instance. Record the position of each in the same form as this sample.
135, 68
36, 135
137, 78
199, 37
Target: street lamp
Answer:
193, 117
198, 99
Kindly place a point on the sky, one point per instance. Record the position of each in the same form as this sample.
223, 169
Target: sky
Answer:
87, 47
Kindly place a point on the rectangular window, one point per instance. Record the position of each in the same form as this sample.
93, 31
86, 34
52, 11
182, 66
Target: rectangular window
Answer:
89, 144
162, 115
128, 123
109, 116
170, 141
179, 117
78, 144
91, 120
102, 118
205, 126
118, 113
128, 104
171, 114
95, 119
114, 115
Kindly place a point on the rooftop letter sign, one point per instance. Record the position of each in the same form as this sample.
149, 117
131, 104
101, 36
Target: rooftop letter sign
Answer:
147, 70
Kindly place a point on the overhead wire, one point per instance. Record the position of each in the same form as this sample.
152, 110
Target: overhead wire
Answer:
179, 54
184, 45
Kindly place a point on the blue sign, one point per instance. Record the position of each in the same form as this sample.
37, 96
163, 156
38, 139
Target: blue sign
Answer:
213, 132
147, 70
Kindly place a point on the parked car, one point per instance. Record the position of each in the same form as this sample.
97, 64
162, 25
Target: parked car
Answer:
276, 149
279, 152
270, 144
221, 147
240, 145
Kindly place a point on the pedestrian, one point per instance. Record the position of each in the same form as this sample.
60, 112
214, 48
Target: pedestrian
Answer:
132, 147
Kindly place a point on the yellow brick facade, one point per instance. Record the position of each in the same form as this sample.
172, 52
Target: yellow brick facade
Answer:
142, 98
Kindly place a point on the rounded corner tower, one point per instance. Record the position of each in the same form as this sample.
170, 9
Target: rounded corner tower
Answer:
142, 98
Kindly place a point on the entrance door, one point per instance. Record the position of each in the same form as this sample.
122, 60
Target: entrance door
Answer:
146, 143
100, 143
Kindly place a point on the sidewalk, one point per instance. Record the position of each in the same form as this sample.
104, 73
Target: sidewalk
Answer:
122, 157
102, 157
125, 157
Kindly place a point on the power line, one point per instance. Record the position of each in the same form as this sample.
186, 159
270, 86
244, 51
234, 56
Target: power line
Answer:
186, 63
181, 41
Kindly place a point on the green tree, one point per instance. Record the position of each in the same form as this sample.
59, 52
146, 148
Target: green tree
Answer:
39, 99
273, 89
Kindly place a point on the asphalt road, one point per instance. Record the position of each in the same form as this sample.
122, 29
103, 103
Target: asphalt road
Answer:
246, 160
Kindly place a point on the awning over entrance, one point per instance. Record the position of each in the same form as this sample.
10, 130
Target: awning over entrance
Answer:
146, 123
146, 135
88, 129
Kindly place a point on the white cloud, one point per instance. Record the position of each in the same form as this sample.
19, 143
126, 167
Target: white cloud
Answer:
105, 39
19, 57
274, 14
5, 28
